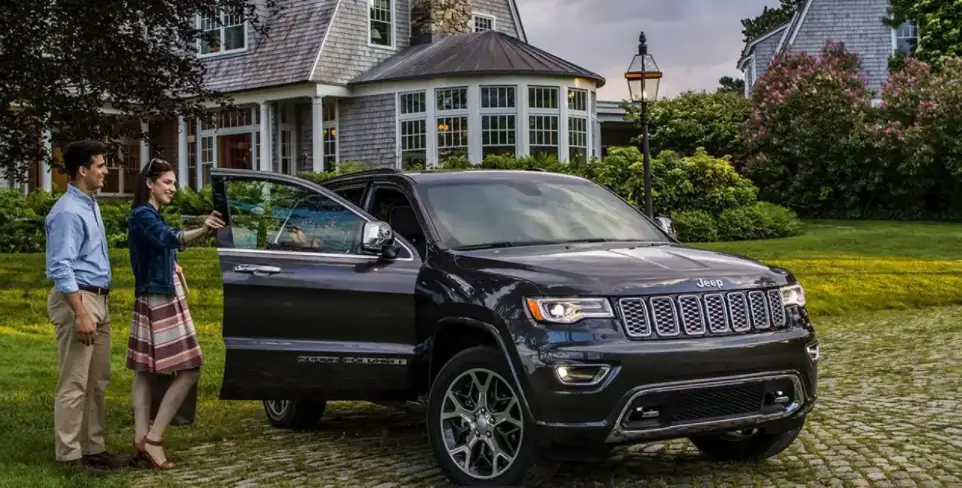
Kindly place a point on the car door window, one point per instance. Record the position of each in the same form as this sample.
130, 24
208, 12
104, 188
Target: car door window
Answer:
352, 194
391, 205
281, 216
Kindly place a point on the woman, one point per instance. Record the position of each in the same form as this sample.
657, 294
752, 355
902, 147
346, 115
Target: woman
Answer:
162, 336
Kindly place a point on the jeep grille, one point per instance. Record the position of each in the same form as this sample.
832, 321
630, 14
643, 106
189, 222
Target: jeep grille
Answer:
693, 315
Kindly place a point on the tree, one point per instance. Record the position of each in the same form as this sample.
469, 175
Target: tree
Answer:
693, 120
727, 84
939, 26
64, 61
806, 139
769, 19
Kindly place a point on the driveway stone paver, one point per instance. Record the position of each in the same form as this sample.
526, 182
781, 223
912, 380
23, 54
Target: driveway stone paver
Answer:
889, 414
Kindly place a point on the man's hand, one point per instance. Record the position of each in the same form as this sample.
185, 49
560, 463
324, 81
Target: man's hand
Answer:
86, 329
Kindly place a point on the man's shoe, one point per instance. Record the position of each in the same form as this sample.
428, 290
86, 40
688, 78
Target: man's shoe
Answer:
107, 460
83, 467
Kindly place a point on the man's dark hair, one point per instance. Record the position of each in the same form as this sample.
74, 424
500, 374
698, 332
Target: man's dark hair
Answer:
81, 153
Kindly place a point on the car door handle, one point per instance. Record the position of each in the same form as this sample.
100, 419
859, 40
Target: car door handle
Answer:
256, 269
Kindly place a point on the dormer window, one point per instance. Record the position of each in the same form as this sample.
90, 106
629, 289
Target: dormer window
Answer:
382, 23
906, 38
222, 33
483, 22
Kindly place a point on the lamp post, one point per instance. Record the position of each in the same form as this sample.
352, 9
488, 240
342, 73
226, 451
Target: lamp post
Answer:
643, 78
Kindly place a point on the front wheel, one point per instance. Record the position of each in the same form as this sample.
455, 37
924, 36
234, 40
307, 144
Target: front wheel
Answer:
294, 414
745, 446
477, 427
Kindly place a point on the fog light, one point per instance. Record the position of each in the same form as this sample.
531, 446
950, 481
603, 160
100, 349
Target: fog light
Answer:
581, 374
813, 352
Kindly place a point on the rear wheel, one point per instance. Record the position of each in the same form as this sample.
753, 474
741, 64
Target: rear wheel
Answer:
477, 427
294, 414
745, 445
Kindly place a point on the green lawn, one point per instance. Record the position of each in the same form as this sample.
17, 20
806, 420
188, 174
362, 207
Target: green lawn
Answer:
847, 268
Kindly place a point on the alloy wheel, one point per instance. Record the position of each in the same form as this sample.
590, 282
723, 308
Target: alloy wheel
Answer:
276, 408
481, 423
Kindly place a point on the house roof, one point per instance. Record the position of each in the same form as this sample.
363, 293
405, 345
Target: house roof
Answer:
286, 57
749, 46
479, 53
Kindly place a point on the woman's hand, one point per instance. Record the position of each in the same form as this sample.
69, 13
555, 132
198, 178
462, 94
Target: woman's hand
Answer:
180, 274
213, 221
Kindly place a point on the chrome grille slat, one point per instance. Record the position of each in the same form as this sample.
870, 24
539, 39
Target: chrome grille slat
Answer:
738, 310
701, 314
692, 318
664, 316
717, 313
760, 319
635, 316
777, 308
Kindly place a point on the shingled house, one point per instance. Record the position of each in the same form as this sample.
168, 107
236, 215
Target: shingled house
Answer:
384, 82
857, 23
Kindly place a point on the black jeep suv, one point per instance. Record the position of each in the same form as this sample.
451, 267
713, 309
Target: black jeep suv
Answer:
540, 316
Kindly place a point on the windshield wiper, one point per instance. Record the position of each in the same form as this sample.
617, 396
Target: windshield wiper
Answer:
504, 244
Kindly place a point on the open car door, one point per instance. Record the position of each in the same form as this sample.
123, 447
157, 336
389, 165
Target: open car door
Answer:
308, 313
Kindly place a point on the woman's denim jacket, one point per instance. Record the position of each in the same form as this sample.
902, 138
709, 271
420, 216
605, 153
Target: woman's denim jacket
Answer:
153, 251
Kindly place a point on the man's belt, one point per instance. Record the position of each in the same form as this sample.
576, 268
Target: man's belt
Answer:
95, 289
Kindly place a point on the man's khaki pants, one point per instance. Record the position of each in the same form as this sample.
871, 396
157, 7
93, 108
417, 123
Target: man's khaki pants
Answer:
84, 375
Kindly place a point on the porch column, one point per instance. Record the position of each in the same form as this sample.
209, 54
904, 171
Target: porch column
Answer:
317, 133
597, 140
266, 151
144, 144
199, 154
182, 170
46, 171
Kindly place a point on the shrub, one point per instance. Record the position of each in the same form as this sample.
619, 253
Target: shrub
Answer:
694, 226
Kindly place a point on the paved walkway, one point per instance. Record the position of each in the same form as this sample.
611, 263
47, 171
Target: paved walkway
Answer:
890, 414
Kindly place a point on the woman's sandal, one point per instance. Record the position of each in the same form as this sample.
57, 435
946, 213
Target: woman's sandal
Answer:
142, 451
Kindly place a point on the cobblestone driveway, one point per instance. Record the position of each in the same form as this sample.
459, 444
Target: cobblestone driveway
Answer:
889, 415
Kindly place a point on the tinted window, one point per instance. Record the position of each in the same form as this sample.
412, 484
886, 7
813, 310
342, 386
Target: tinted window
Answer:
269, 215
485, 212
353, 194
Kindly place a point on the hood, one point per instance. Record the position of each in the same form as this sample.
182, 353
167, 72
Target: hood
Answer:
618, 270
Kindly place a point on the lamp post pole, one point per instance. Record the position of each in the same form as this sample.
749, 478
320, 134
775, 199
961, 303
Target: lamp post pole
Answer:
643, 53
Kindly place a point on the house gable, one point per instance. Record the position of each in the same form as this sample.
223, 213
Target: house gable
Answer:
285, 56
857, 23
758, 54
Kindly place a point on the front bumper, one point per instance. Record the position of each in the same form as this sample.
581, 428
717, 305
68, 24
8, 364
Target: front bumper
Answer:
693, 387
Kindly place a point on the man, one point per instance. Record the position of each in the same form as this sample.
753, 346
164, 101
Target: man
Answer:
77, 263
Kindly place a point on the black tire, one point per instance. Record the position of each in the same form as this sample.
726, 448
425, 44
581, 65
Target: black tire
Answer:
754, 448
529, 468
294, 414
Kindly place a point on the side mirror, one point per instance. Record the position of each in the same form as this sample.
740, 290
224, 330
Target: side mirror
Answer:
378, 238
665, 224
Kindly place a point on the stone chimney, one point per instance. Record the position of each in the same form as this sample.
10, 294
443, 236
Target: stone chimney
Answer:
434, 19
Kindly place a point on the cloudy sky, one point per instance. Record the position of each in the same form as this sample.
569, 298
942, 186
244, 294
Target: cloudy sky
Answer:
694, 42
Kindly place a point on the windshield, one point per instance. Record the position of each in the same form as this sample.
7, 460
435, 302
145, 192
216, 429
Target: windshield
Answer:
486, 213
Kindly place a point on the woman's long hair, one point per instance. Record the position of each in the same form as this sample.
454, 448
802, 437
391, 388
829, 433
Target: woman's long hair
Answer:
153, 170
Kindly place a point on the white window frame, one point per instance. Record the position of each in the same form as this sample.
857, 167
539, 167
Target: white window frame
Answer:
213, 134
456, 113
499, 112
585, 115
479, 15
897, 35
547, 112
220, 16
393, 25
331, 126
422, 116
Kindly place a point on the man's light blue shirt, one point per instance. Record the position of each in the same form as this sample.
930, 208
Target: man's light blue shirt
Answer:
76, 243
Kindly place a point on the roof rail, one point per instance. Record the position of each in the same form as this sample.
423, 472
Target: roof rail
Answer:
373, 171
540, 170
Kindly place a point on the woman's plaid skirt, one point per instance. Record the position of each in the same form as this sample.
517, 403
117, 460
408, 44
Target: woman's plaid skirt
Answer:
162, 336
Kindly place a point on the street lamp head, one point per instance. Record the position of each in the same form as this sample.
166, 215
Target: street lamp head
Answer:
643, 78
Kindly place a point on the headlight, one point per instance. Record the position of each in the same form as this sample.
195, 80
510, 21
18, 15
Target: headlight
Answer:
568, 310
793, 295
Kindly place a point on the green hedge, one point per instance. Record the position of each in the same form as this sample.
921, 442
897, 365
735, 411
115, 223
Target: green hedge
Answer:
705, 197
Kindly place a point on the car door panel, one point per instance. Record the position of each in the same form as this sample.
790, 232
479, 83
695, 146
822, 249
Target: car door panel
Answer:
300, 323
